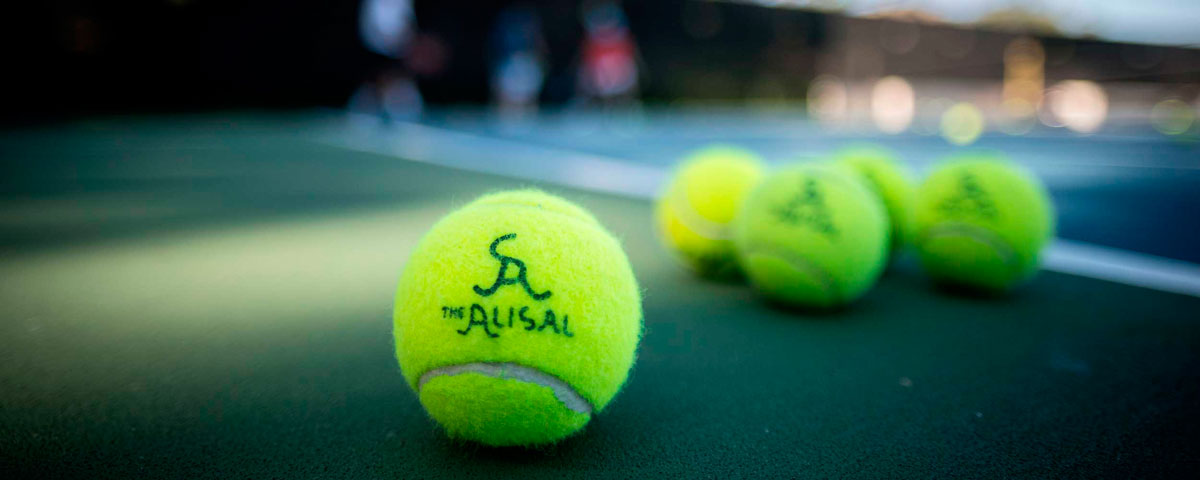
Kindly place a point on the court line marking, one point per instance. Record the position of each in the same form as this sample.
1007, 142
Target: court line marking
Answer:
1123, 266
511, 158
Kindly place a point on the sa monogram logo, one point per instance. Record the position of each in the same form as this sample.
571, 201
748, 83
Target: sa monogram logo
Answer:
970, 201
501, 281
807, 209
477, 313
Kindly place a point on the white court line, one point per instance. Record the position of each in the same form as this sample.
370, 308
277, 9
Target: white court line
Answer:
510, 158
1121, 266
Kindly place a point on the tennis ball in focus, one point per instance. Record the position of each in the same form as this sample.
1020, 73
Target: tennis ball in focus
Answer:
890, 180
982, 222
516, 318
812, 236
694, 211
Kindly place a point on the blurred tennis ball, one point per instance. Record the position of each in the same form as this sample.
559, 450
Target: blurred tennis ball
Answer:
890, 180
516, 318
812, 236
982, 222
694, 211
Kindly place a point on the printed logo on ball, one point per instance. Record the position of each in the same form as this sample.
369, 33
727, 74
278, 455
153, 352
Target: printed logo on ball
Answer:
494, 322
806, 208
971, 200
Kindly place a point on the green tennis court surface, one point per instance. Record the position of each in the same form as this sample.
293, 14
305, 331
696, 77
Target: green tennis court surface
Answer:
211, 297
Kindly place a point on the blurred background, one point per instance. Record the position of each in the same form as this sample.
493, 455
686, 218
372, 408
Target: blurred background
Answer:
204, 205
1012, 66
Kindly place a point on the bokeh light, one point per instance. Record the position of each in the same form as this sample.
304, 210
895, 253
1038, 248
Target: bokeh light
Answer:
1018, 116
962, 124
1172, 117
1080, 105
827, 99
893, 104
1024, 70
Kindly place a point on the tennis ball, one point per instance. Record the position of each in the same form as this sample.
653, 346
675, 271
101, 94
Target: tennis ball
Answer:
982, 222
694, 211
516, 319
812, 236
890, 180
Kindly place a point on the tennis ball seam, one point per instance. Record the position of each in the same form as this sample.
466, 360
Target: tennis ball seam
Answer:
982, 235
807, 266
693, 220
562, 390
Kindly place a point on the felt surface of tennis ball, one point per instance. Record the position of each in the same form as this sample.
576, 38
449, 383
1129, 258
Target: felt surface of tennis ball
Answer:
516, 318
694, 211
891, 180
812, 236
982, 222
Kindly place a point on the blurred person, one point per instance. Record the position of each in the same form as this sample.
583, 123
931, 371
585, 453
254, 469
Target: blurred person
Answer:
518, 59
387, 29
608, 72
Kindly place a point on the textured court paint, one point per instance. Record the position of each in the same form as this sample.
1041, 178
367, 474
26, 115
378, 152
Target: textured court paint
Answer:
525, 278
252, 345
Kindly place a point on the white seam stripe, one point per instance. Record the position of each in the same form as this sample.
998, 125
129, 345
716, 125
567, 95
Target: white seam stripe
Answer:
679, 204
511, 371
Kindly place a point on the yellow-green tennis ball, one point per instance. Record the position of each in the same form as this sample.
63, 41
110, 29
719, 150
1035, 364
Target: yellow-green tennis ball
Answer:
890, 180
813, 236
982, 222
516, 319
694, 211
